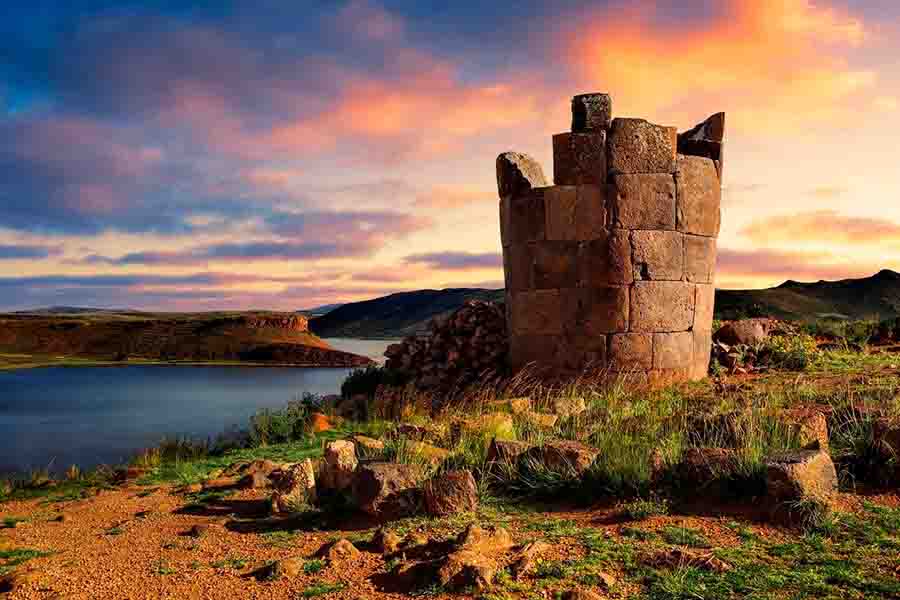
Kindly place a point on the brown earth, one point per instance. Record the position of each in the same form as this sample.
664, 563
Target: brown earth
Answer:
128, 543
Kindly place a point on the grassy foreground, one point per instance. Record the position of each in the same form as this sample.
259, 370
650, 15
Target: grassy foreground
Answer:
631, 526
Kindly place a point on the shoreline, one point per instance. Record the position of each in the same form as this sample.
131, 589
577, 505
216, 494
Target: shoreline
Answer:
75, 362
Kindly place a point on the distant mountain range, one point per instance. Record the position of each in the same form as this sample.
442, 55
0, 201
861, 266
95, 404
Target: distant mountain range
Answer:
409, 313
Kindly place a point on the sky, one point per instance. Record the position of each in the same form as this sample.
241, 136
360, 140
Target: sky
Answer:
283, 154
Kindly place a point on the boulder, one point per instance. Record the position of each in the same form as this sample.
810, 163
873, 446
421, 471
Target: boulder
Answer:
367, 446
801, 475
564, 457
286, 568
506, 451
569, 406
340, 465
386, 541
251, 481
886, 435
474, 561
701, 466
808, 426
295, 487
387, 490
427, 452
591, 112
524, 561
750, 332
451, 493
518, 173
520, 405
340, 550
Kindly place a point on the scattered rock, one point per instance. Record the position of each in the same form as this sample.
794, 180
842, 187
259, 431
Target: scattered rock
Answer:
286, 568
340, 550
18, 580
450, 493
491, 425
520, 405
387, 490
539, 420
198, 530
750, 332
340, 465
386, 541
675, 558
564, 457
253, 481
506, 451
886, 435
427, 452
808, 426
366, 446
474, 562
569, 406
294, 487
526, 559
701, 466
801, 474
414, 539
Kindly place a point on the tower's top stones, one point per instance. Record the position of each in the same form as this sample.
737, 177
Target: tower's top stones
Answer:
518, 173
591, 112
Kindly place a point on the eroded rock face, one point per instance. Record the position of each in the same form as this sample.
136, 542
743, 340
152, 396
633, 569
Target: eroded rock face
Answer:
746, 331
799, 475
294, 487
387, 490
706, 139
450, 493
639, 146
518, 173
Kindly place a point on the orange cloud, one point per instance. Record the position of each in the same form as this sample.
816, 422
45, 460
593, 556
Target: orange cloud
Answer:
823, 226
764, 268
453, 196
774, 64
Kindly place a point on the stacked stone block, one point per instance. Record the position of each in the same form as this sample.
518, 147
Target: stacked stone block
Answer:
612, 266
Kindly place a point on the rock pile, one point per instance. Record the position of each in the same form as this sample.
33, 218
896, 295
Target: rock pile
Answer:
612, 267
469, 345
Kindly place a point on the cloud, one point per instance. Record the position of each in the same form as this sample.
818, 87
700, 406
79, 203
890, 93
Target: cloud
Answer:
828, 192
454, 196
825, 227
457, 261
768, 267
24, 251
777, 65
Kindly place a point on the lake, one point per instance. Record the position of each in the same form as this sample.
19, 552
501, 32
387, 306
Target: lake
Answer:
57, 416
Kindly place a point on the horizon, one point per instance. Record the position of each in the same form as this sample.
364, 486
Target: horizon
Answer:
163, 157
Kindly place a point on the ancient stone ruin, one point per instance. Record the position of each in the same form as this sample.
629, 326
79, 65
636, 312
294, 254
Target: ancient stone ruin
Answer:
611, 268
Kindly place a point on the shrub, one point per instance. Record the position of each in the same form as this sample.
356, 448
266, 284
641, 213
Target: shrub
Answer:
790, 352
288, 424
366, 380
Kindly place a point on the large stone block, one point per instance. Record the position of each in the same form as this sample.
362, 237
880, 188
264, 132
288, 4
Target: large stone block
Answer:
591, 219
657, 255
517, 174
517, 267
591, 112
579, 158
523, 218
643, 201
579, 351
605, 260
706, 139
704, 306
595, 311
673, 350
638, 146
699, 258
560, 206
702, 352
662, 306
631, 351
801, 474
699, 196
554, 265
537, 312
537, 352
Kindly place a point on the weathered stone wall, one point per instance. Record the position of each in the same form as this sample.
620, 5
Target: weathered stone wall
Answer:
612, 267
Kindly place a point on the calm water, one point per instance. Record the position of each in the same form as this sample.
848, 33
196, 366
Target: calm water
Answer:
59, 416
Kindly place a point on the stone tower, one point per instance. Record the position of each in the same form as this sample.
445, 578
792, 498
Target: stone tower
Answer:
612, 267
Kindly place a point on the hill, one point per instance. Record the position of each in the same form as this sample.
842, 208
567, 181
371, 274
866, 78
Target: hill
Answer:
257, 337
409, 313
397, 315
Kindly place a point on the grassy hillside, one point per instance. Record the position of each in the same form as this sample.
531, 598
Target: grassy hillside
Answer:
396, 315
202, 337
409, 313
